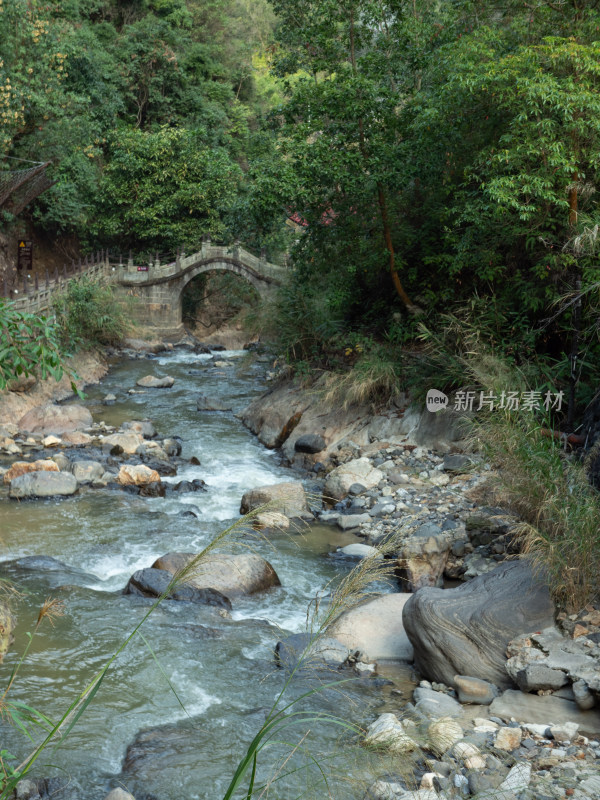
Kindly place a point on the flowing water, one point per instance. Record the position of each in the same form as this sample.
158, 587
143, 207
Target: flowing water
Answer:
203, 680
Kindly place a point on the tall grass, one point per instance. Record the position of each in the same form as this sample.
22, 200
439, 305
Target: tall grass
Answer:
552, 494
374, 378
547, 487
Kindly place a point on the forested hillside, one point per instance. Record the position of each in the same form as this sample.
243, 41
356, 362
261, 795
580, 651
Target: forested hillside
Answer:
434, 155
147, 110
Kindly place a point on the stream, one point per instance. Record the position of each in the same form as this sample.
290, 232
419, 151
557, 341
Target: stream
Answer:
222, 669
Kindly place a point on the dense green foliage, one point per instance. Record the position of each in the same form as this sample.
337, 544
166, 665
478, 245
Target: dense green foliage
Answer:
28, 344
459, 140
94, 85
433, 154
88, 315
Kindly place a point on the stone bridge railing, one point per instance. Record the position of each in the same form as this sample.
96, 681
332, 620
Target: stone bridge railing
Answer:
155, 272
36, 294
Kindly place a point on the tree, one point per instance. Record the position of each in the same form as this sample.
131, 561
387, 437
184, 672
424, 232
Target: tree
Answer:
164, 189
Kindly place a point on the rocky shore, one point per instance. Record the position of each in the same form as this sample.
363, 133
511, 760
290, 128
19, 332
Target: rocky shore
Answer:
507, 703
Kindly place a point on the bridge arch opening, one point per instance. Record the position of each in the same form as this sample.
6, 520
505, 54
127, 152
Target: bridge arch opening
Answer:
213, 298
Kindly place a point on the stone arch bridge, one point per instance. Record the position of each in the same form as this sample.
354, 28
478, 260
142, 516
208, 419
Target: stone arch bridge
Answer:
155, 288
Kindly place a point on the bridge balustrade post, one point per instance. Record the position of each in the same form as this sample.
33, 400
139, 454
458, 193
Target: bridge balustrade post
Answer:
263, 253
130, 261
37, 283
157, 260
47, 279
65, 271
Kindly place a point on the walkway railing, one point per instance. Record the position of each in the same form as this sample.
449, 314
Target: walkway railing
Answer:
35, 295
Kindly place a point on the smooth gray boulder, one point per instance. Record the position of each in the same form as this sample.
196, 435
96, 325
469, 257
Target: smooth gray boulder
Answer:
544, 710
348, 522
43, 484
436, 705
154, 582
287, 498
356, 551
232, 575
466, 630
87, 471
375, 628
310, 443
474, 690
457, 462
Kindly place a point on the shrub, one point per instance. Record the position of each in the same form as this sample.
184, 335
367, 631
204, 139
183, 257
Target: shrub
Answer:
88, 315
28, 343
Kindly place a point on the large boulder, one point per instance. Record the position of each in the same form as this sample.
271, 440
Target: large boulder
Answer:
466, 630
42, 484
56, 419
128, 442
152, 382
23, 467
152, 582
310, 443
436, 705
137, 475
423, 556
289, 498
375, 628
232, 575
359, 470
87, 471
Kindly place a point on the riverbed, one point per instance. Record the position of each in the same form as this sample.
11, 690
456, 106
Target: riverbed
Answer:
205, 681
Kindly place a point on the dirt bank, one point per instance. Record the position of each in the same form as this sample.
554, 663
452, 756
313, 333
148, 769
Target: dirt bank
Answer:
90, 368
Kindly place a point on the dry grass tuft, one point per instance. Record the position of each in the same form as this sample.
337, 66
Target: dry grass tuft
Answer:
373, 379
559, 508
